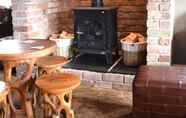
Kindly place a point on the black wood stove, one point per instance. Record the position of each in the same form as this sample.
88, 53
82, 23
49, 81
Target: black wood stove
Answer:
96, 30
6, 27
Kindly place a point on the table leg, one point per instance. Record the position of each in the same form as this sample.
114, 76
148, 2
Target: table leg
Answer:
19, 85
64, 104
5, 109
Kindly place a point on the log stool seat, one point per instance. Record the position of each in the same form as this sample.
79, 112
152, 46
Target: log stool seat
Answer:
57, 92
50, 63
46, 65
4, 90
57, 83
160, 92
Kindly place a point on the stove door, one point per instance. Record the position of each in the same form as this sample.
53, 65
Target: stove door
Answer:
90, 34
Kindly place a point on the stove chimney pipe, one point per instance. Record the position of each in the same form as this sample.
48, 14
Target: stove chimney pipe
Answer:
97, 3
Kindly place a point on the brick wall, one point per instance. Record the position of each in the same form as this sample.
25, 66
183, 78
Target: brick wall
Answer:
60, 15
44, 18
132, 14
30, 19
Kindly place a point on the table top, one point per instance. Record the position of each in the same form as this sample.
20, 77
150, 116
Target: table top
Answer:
24, 49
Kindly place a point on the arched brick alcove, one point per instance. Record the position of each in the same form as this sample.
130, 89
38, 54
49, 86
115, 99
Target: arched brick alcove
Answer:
154, 18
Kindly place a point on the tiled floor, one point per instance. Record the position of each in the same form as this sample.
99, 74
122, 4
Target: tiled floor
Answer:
99, 103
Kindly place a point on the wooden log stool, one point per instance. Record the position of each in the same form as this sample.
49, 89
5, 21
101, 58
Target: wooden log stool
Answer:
46, 65
57, 93
50, 64
5, 110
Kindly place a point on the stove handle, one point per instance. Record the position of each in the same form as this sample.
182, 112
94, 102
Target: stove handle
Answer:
80, 33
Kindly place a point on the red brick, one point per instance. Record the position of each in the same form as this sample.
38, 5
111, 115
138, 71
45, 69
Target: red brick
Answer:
172, 100
23, 28
165, 42
164, 58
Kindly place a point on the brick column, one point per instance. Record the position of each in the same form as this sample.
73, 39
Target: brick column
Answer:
30, 18
60, 15
40, 18
159, 31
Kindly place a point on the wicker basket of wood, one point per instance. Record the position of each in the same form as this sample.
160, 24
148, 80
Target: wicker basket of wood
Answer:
64, 42
134, 49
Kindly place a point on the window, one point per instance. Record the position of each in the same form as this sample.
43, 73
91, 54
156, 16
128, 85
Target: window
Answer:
5, 3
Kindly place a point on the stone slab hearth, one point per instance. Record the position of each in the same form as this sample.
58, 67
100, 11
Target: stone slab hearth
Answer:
97, 63
94, 72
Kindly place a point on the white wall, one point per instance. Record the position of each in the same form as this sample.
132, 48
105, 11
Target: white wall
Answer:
6, 3
179, 41
180, 16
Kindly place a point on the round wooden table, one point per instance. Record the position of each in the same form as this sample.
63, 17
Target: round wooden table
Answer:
16, 52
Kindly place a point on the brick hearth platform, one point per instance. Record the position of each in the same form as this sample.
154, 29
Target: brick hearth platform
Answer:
94, 79
104, 80
159, 92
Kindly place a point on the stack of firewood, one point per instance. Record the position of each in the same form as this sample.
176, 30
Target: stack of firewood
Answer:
134, 38
62, 35
64, 42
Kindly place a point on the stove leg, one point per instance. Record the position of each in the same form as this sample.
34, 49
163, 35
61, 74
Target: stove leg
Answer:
74, 57
109, 59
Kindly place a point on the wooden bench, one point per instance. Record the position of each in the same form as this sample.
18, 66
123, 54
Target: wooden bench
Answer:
160, 92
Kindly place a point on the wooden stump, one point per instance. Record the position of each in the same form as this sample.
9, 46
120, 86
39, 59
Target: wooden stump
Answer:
57, 93
5, 110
